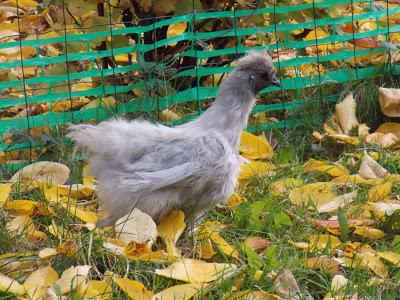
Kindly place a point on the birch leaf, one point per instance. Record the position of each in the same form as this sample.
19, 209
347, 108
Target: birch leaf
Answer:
38, 281
254, 147
181, 292
346, 113
170, 229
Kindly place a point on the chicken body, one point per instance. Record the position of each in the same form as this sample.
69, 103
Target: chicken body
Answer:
191, 167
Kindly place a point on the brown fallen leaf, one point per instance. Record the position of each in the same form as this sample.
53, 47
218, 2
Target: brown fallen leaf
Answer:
334, 224
384, 140
257, 243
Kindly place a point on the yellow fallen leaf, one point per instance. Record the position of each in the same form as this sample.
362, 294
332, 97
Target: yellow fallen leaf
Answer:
138, 227
210, 230
388, 207
363, 130
196, 271
368, 232
142, 252
5, 189
380, 192
339, 282
68, 248
323, 263
337, 202
255, 168
316, 194
370, 169
254, 147
21, 225
134, 289
318, 136
96, 289
390, 256
170, 229
322, 241
45, 171
389, 99
369, 260
28, 207
389, 127
333, 169
206, 250
175, 30
88, 178
354, 180
46, 253
181, 292
235, 200
10, 285
352, 140
384, 140
250, 295
82, 214
38, 281
346, 113
283, 186
71, 278
331, 126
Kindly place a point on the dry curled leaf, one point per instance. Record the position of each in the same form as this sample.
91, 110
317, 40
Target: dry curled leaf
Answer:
384, 140
370, 169
257, 243
389, 98
346, 113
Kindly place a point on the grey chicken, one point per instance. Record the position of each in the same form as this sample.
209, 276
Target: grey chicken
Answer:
191, 167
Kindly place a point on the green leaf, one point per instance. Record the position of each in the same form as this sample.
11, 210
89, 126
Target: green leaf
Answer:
185, 6
282, 219
249, 214
271, 256
285, 155
396, 244
254, 260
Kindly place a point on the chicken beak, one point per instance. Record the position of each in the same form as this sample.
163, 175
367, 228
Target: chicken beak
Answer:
275, 82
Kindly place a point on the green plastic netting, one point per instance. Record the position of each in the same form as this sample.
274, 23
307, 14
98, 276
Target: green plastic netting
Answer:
62, 80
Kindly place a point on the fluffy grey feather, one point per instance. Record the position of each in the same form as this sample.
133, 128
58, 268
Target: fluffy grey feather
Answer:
191, 167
